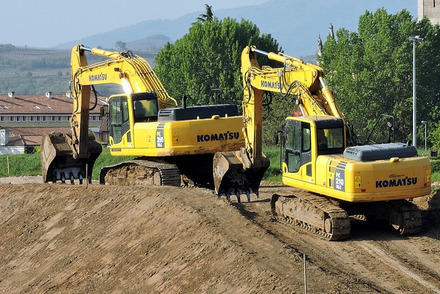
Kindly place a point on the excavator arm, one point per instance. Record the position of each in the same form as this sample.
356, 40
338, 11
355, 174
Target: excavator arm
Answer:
133, 73
294, 77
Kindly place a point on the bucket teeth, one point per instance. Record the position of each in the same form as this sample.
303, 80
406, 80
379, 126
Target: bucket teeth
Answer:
237, 194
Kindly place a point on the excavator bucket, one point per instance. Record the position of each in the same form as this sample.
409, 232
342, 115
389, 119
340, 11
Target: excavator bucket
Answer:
58, 163
234, 175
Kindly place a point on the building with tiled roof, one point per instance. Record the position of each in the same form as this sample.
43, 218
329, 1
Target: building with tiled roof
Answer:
25, 118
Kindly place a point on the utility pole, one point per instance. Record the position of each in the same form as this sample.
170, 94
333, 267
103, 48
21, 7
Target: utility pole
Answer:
425, 123
415, 40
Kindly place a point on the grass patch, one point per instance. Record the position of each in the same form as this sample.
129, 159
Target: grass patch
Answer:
20, 165
273, 173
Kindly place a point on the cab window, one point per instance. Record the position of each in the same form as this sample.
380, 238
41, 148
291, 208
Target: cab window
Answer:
330, 140
119, 119
145, 107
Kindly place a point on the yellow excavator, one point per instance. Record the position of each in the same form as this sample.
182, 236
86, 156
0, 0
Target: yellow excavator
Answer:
172, 145
337, 178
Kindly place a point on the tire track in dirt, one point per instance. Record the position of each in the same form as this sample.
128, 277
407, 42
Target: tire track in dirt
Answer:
375, 256
390, 261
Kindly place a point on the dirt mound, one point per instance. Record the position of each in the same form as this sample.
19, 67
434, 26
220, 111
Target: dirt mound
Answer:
72, 239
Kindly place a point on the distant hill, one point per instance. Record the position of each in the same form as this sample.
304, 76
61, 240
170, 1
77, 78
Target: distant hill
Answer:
26, 70
295, 24
151, 43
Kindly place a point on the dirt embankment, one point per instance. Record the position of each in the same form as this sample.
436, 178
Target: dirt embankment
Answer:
58, 238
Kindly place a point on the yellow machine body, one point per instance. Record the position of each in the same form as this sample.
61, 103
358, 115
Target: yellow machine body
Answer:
353, 180
173, 137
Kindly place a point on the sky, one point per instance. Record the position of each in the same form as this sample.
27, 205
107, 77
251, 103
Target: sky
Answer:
47, 23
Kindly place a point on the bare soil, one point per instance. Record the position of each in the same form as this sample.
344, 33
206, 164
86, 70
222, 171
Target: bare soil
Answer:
57, 238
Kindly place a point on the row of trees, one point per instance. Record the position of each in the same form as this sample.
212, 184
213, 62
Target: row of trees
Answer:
370, 70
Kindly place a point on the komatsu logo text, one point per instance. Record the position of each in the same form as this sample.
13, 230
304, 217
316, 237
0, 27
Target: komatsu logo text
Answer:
218, 137
98, 77
269, 84
393, 182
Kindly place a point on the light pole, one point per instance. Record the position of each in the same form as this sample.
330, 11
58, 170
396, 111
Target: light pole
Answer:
425, 123
415, 40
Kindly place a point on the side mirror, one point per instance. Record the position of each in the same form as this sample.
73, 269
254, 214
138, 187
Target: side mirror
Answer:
103, 111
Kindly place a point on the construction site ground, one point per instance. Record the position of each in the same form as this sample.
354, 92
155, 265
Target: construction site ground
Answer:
60, 238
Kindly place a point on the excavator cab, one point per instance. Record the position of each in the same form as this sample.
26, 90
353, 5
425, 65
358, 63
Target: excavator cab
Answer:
305, 138
142, 107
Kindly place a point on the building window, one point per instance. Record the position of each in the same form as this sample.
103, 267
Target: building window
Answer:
94, 118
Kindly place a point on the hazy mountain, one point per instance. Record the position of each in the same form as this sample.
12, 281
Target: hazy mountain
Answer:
295, 24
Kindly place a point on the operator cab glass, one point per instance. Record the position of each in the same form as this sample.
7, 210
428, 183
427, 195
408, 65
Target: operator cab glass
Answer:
119, 117
297, 145
145, 107
330, 136
298, 138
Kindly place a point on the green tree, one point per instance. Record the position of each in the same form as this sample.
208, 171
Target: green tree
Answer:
208, 15
206, 61
121, 46
371, 71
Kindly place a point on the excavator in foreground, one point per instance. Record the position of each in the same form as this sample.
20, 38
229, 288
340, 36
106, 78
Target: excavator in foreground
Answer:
171, 145
337, 179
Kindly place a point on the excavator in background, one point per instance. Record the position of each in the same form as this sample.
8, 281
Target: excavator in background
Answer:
172, 145
337, 179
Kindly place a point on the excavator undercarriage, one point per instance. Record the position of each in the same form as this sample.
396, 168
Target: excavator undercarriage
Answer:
331, 219
312, 213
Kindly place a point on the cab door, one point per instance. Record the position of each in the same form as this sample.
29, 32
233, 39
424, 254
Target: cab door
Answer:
119, 133
297, 150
